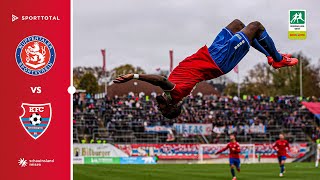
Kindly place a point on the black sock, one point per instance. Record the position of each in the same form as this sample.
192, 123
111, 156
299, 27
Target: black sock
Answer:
233, 172
258, 47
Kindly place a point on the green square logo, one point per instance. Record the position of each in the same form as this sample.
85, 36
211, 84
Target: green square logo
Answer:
297, 17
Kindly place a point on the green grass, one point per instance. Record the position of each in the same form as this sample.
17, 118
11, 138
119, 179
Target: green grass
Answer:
295, 171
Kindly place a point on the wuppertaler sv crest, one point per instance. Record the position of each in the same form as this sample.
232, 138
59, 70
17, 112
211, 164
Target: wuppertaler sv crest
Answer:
36, 118
35, 55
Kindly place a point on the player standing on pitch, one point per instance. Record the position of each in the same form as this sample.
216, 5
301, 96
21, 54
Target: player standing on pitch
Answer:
234, 158
246, 155
226, 51
281, 147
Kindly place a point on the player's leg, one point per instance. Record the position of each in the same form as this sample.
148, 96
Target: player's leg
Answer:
232, 166
284, 167
237, 164
231, 48
258, 47
233, 172
255, 43
236, 26
279, 160
282, 161
255, 30
225, 34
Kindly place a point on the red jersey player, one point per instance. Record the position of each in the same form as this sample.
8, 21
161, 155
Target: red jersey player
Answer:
281, 147
226, 51
234, 158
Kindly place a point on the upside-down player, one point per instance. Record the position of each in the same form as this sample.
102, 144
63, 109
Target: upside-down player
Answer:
234, 158
226, 51
281, 147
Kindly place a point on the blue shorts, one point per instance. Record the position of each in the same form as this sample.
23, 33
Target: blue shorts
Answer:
281, 158
228, 49
235, 162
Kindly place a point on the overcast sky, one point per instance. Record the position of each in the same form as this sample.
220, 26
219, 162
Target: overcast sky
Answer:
141, 32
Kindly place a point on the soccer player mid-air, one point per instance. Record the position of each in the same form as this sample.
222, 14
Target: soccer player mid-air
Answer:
234, 158
281, 147
226, 51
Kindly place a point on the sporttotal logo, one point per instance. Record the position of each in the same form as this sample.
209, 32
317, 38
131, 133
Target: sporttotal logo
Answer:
40, 18
297, 25
35, 55
14, 17
35, 18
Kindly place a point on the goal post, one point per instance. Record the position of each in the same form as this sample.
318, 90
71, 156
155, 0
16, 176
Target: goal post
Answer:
207, 152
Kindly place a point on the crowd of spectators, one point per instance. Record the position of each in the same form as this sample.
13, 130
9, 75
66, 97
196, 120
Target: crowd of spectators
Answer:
316, 134
130, 112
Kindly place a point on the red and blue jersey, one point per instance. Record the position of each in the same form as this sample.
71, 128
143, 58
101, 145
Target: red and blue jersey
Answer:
281, 147
192, 70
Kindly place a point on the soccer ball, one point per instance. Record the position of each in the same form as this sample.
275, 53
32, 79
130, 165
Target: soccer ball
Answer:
35, 119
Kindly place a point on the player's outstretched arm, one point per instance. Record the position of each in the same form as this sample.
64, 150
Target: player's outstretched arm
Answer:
223, 149
156, 80
275, 146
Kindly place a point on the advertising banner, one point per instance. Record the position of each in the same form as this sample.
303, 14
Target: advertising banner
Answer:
164, 151
190, 151
257, 129
101, 160
116, 160
157, 129
78, 160
253, 129
137, 160
193, 129
101, 150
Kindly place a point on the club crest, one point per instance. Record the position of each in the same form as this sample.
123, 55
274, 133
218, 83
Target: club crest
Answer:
35, 55
36, 118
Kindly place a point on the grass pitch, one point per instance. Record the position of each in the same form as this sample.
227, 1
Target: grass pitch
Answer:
295, 171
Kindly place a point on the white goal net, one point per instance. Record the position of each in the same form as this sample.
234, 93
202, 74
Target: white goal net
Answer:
207, 153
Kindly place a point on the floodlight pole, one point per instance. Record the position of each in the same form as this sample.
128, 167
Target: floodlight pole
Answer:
103, 51
171, 59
